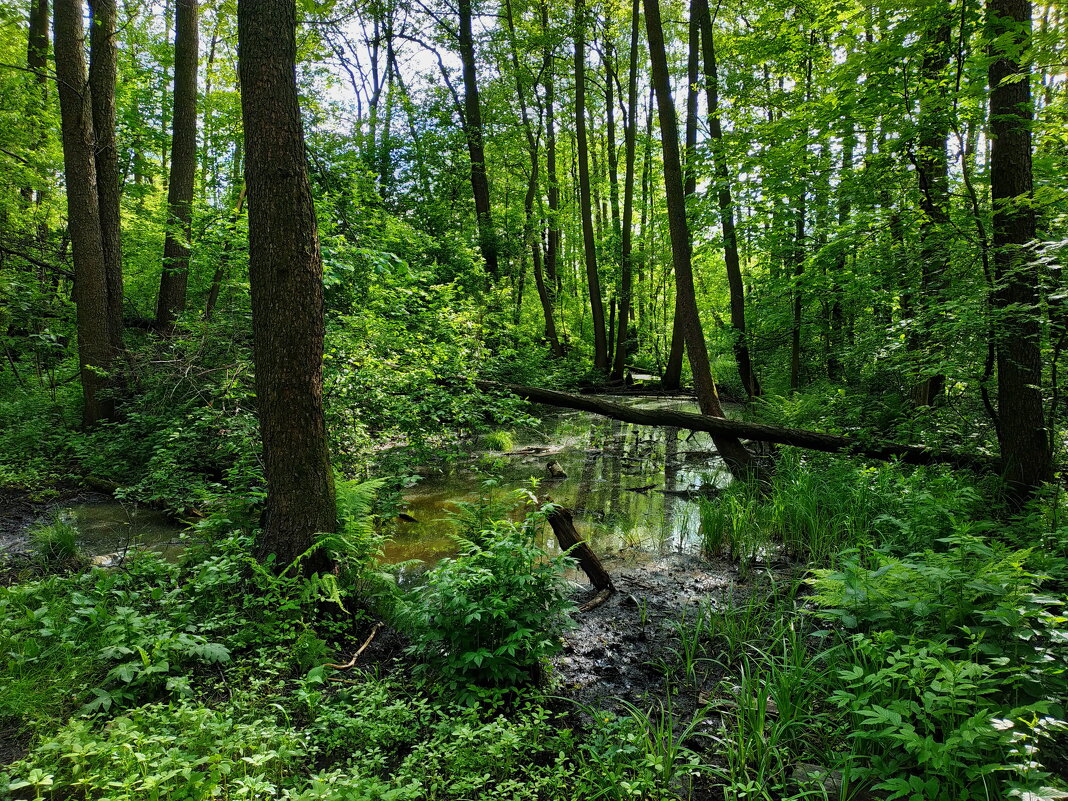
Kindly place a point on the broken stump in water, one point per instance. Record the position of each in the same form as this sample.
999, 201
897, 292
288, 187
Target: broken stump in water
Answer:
567, 535
554, 470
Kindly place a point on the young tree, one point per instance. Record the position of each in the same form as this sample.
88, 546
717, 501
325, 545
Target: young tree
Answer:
83, 210
175, 277
472, 110
285, 276
1025, 447
699, 9
626, 256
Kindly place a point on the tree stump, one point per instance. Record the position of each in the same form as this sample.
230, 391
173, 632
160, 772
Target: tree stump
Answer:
567, 535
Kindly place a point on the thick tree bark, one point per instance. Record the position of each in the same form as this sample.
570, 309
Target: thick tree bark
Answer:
175, 278
630, 140
102, 87
83, 211
733, 452
487, 235
1025, 447
589, 243
723, 427
725, 202
285, 275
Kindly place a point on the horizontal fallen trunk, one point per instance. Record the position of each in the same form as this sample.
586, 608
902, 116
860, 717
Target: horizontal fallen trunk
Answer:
797, 437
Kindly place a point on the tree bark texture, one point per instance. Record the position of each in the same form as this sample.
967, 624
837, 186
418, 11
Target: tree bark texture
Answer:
83, 210
102, 87
589, 242
175, 278
733, 452
563, 526
285, 275
1025, 448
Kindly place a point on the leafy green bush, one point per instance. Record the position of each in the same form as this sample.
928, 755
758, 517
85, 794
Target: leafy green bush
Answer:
974, 592
929, 718
165, 751
491, 617
955, 676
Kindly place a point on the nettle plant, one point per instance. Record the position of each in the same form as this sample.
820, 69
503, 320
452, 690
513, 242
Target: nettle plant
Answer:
486, 621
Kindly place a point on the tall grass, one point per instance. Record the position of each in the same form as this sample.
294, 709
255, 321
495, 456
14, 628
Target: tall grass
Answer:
55, 541
814, 507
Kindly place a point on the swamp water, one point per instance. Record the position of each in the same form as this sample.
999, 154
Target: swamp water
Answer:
628, 486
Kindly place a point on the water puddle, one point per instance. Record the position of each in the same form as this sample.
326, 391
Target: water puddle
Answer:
629, 486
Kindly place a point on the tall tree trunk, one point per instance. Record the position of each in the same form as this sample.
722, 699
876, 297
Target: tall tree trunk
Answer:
798, 260
798, 253
175, 278
552, 186
630, 140
37, 62
672, 378
286, 280
529, 233
838, 274
83, 211
487, 235
102, 88
1025, 448
726, 203
730, 448
932, 173
600, 339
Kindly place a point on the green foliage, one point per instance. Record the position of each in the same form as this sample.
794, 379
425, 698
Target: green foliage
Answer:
167, 751
55, 541
974, 592
818, 506
492, 616
928, 716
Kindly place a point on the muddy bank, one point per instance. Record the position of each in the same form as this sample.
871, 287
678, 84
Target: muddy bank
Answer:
19, 510
628, 646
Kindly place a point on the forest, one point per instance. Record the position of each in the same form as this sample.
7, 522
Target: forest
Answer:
533, 400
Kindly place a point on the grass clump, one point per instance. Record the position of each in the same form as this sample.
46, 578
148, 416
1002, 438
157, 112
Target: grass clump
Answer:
56, 541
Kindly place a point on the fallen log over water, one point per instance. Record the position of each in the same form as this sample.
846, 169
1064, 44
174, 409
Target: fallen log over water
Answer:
797, 437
